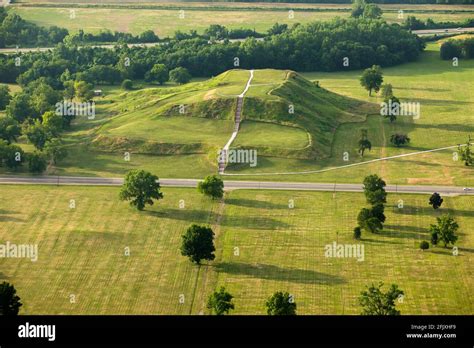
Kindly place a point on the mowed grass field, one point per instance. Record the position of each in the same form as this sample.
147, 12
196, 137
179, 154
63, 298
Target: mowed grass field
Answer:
81, 252
164, 22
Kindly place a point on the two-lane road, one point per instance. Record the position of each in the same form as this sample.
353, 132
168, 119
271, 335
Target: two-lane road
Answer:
233, 185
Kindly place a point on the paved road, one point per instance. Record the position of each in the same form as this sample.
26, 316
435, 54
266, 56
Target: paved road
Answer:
443, 31
45, 49
109, 46
231, 185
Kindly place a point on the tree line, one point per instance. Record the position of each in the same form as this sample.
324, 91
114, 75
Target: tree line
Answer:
311, 47
414, 23
457, 48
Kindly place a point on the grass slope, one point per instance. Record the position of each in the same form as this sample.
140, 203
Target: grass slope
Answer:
315, 110
81, 252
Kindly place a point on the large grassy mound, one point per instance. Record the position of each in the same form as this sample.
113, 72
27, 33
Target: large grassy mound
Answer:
199, 117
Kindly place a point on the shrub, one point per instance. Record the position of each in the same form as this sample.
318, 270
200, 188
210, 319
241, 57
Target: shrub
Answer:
127, 84
449, 50
424, 245
37, 162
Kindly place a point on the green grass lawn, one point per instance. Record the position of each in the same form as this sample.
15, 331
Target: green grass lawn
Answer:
166, 21
83, 162
81, 252
273, 135
177, 130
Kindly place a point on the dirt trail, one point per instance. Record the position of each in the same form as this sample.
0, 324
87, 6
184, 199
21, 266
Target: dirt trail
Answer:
207, 277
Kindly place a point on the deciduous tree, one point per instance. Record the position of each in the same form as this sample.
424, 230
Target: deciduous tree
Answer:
436, 200
37, 162
9, 129
399, 139
364, 142
5, 96
9, 301
444, 230
180, 75
140, 188
198, 243
372, 79
374, 189
220, 302
376, 302
281, 303
212, 186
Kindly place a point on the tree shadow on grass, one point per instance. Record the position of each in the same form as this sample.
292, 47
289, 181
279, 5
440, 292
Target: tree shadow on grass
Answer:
442, 102
192, 215
255, 204
3, 276
442, 251
271, 272
378, 241
465, 250
454, 127
255, 223
406, 228
414, 210
424, 89
409, 232
417, 163
203, 217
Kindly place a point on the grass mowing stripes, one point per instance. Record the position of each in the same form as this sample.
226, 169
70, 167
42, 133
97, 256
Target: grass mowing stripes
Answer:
283, 249
262, 245
82, 250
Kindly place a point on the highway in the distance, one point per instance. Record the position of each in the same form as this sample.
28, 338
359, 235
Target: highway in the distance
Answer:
232, 185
